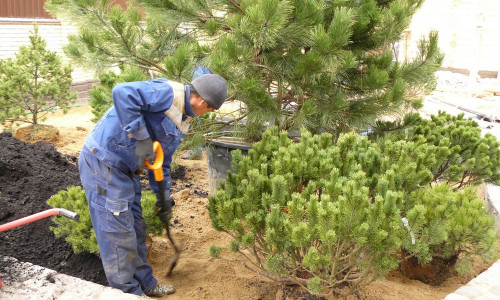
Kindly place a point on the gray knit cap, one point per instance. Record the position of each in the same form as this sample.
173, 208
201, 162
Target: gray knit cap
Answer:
212, 88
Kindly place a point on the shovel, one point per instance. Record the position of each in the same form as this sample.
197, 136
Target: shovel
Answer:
157, 168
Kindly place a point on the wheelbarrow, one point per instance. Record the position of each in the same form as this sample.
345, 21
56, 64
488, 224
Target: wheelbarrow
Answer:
41, 215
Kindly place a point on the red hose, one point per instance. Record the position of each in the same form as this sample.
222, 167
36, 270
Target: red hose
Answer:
29, 219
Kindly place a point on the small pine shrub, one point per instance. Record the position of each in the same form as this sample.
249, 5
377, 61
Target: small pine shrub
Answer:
437, 163
453, 149
80, 234
463, 155
443, 223
154, 225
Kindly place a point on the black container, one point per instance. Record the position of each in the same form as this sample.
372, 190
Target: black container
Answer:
219, 159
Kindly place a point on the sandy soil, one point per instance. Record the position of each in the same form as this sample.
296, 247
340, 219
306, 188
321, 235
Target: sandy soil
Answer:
197, 275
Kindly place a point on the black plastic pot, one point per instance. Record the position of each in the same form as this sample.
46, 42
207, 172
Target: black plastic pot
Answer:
219, 159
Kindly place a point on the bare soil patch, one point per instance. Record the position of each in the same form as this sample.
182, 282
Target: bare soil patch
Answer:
31, 173
36, 133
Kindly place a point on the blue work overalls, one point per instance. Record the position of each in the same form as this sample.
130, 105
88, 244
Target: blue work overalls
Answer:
158, 109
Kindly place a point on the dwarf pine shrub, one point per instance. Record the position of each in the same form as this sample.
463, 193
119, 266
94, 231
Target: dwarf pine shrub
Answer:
436, 163
80, 234
444, 222
452, 148
330, 216
463, 155
312, 212
153, 223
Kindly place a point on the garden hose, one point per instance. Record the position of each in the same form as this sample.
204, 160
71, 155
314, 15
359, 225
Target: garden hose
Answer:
44, 214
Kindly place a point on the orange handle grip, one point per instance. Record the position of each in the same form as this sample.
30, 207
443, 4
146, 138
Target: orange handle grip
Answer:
157, 166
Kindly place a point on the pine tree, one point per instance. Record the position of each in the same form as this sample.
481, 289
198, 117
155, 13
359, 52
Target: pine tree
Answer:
320, 65
34, 82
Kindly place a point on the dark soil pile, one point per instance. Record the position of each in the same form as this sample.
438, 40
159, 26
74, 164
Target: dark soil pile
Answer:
29, 175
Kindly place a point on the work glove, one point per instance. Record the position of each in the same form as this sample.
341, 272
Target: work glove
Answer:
164, 208
144, 150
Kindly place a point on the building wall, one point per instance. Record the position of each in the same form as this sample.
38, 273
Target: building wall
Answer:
468, 33
34, 8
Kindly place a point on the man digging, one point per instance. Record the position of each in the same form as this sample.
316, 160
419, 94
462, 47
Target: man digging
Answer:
113, 157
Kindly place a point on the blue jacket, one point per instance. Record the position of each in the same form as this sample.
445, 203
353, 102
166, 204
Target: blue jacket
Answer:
157, 108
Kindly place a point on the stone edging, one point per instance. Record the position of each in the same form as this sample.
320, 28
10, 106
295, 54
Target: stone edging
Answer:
22, 280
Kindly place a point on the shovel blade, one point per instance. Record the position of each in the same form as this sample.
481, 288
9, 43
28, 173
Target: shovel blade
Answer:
175, 258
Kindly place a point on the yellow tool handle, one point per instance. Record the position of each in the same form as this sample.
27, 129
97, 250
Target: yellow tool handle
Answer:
157, 166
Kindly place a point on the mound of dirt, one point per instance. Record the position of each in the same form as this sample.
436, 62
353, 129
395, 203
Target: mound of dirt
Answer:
29, 175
